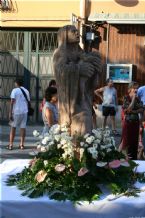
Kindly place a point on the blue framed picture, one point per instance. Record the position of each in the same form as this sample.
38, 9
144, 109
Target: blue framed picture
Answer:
120, 73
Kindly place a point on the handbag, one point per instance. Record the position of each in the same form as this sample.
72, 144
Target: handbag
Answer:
30, 109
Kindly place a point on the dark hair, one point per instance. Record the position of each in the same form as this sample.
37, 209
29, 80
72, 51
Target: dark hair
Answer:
19, 81
108, 80
52, 83
49, 92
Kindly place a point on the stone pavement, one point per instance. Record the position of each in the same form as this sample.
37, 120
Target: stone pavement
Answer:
30, 143
16, 153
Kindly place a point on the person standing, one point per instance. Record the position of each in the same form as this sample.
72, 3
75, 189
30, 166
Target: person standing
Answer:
50, 111
52, 83
141, 95
132, 106
18, 113
108, 95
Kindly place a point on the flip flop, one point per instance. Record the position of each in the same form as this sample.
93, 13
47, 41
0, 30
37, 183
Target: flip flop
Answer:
10, 147
21, 147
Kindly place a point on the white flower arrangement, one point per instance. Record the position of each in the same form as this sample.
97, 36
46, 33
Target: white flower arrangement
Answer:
95, 143
58, 135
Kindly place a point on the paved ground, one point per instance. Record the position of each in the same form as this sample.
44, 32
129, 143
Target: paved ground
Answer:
16, 153
30, 143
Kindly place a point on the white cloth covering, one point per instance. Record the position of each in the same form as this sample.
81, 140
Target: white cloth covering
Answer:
13, 205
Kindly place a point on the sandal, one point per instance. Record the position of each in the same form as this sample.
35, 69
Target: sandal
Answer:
21, 147
10, 147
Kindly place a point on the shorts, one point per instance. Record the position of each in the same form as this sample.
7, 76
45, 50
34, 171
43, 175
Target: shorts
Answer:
19, 120
108, 111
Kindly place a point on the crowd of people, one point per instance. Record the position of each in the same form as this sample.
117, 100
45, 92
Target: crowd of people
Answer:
133, 114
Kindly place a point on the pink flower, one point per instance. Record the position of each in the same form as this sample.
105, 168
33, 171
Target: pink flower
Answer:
83, 171
114, 164
59, 168
40, 176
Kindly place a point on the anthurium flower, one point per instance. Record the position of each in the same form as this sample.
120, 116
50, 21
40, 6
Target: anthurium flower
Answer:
59, 168
32, 162
101, 164
40, 176
124, 163
114, 164
83, 171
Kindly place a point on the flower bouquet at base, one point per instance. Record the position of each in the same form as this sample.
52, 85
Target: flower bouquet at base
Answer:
72, 168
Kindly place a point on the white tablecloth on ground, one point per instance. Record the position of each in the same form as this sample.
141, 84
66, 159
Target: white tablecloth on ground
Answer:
13, 205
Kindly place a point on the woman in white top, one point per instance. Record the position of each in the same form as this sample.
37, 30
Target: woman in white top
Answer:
50, 110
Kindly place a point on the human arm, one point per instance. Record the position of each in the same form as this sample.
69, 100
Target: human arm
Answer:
49, 116
11, 109
137, 111
98, 92
12, 102
128, 104
133, 106
138, 107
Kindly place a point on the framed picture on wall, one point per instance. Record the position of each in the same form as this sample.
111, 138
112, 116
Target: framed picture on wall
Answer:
120, 73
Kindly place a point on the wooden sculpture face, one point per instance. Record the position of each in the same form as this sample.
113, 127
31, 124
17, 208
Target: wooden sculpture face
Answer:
73, 35
67, 35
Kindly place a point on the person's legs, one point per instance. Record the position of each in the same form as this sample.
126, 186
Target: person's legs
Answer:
105, 112
12, 136
133, 136
113, 123
13, 124
104, 122
112, 116
23, 118
22, 137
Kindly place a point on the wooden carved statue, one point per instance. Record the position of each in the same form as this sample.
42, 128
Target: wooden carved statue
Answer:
76, 75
